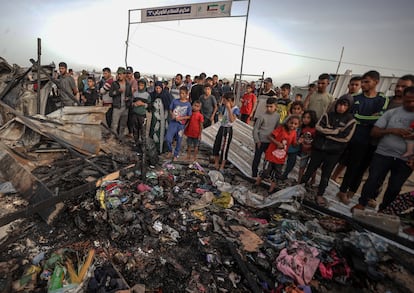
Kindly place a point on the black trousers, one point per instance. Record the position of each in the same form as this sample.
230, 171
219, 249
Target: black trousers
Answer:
328, 162
138, 128
360, 156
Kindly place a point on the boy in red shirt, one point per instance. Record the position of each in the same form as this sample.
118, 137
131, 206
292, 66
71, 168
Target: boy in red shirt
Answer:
193, 130
248, 102
280, 140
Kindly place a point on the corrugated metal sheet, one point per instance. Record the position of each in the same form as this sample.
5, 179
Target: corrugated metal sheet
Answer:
242, 146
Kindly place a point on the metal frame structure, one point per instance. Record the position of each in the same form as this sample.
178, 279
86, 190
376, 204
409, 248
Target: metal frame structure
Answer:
140, 22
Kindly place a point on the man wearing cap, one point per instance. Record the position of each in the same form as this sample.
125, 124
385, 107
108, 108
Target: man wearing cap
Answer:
130, 79
121, 94
265, 93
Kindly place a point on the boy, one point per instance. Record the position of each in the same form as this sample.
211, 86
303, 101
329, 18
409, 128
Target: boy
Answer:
225, 132
262, 129
193, 130
248, 102
284, 103
208, 106
140, 103
180, 111
90, 95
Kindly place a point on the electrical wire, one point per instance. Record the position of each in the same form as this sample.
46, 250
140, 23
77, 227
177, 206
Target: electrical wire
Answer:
280, 52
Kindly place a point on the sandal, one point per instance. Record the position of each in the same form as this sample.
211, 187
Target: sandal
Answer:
321, 201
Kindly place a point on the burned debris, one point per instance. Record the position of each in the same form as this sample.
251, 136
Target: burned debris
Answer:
79, 213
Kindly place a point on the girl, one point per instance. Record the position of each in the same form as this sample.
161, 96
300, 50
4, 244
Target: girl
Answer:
333, 132
280, 140
307, 134
296, 108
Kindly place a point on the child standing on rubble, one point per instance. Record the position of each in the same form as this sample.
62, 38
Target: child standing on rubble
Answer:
90, 96
333, 132
193, 130
180, 110
263, 127
308, 131
280, 140
296, 108
225, 133
140, 102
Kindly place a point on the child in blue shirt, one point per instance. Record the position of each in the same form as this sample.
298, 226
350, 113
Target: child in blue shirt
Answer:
180, 110
225, 133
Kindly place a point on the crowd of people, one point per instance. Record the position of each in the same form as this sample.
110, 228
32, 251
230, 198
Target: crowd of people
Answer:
360, 130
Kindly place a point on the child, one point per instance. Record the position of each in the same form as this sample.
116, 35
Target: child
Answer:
248, 102
280, 140
307, 134
284, 102
180, 110
208, 106
263, 127
193, 130
296, 108
410, 144
333, 131
90, 96
140, 102
225, 132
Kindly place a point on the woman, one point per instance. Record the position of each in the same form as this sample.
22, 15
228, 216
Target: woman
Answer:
160, 104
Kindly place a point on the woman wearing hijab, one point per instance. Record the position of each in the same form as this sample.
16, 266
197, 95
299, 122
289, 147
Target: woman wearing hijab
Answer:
160, 104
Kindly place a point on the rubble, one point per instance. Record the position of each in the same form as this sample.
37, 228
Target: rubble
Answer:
174, 234
171, 226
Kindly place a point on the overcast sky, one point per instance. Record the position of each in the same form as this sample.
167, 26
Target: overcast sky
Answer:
288, 40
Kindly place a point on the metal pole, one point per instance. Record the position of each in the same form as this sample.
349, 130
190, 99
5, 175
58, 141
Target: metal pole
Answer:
332, 90
127, 40
340, 60
242, 58
39, 52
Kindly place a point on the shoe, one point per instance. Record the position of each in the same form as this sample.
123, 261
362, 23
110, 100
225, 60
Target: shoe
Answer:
342, 196
372, 203
357, 207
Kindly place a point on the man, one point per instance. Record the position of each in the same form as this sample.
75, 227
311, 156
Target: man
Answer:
367, 108
129, 76
354, 85
402, 83
177, 84
121, 94
104, 91
320, 100
216, 87
226, 88
67, 83
392, 129
188, 82
198, 89
83, 81
265, 93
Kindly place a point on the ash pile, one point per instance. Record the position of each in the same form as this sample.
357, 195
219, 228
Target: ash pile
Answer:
185, 228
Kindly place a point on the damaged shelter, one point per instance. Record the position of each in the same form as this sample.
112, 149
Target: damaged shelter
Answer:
79, 213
